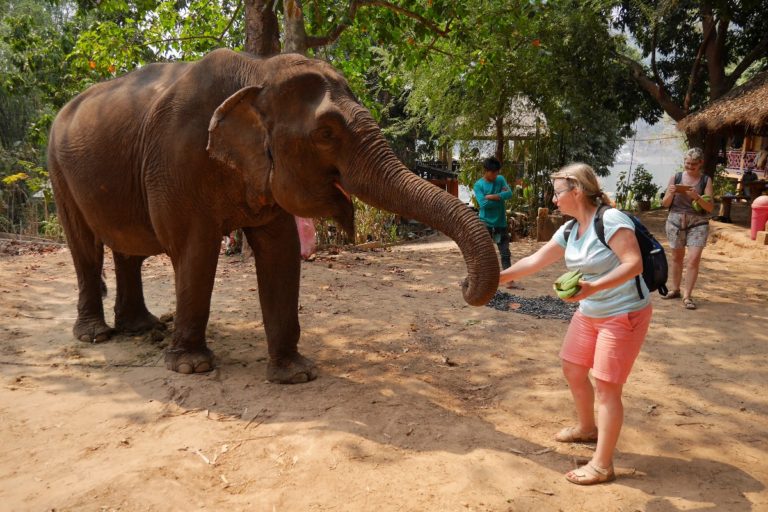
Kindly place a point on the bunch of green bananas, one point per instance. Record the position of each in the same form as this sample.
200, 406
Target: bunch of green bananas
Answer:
567, 285
697, 206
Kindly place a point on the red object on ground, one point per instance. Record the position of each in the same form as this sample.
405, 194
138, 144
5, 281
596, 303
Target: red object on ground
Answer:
759, 215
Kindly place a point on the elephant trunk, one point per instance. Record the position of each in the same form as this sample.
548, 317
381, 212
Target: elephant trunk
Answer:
378, 177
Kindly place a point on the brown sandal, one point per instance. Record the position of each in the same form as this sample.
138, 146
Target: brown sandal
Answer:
674, 294
688, 303
590, 474
574, 435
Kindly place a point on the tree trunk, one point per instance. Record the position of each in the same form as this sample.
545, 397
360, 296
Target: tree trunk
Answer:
711, 144
444, 155
262, 33
500, 138
295, 33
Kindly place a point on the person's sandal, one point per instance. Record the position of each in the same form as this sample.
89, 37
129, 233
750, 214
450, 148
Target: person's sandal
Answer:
574, 435
674, 294
590, 474
688, 303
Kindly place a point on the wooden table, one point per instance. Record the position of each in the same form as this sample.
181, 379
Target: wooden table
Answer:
725, 207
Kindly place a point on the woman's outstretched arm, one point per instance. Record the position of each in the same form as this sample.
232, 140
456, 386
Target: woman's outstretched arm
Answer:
545, 256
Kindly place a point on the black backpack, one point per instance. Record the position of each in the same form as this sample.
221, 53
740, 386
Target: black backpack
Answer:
654, 259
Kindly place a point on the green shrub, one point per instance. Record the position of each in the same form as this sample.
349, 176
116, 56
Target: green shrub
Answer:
643, 187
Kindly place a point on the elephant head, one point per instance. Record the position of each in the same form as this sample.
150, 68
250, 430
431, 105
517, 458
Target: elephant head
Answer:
304, 139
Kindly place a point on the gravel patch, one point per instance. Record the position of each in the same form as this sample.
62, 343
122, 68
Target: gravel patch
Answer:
541, 307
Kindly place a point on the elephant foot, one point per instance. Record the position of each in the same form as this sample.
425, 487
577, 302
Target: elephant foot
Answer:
139, 324
291, 370
183, 361
92, 331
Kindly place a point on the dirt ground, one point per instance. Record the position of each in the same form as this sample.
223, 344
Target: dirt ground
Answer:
422, 403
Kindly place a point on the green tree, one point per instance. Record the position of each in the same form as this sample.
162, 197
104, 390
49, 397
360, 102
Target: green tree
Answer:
552, 59
35, 39
693, 52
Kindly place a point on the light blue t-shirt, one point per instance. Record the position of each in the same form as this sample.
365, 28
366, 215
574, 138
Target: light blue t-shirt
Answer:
594, 259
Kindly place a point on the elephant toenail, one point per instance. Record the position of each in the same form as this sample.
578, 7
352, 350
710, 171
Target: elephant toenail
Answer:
185, 368
203, 367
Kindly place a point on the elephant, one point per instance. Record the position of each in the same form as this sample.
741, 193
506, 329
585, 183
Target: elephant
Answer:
170, 157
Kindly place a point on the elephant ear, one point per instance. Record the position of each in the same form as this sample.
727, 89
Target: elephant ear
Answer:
237, 137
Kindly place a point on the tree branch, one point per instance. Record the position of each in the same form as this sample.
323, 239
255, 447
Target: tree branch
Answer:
231, 21
410, 14
654, 67
695, 68
354, 5
715, 52
171, 39
638, 75
755, 53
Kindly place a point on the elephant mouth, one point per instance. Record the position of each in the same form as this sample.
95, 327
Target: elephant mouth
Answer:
345, 218
341, 189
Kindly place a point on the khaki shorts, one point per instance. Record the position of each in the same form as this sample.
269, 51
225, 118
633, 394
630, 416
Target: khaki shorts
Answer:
686, 230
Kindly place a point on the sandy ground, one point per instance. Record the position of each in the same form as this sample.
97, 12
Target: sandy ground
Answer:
422, 403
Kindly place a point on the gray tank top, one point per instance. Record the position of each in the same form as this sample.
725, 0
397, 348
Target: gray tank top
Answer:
681, 203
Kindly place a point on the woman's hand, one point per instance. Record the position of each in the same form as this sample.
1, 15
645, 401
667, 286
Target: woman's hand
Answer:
692, 194
666, 201
585, 290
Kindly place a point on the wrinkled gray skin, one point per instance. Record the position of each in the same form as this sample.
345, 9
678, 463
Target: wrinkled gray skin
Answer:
170, 157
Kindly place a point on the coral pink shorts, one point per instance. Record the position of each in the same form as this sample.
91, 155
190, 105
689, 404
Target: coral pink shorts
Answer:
607, 345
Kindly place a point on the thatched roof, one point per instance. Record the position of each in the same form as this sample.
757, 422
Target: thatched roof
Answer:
740, 109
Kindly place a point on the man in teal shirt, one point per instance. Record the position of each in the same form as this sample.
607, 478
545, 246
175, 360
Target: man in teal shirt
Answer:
491, 191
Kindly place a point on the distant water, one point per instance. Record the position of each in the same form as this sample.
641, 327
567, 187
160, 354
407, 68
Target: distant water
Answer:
659, 148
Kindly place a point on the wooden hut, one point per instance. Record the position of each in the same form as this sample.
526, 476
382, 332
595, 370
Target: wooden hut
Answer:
741, 117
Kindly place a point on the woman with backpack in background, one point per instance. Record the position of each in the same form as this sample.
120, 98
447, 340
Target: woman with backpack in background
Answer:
689, 199
607, 331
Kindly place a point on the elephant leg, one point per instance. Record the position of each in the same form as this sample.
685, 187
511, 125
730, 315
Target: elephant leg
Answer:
88, 257
276, 250
195, 268
131, 314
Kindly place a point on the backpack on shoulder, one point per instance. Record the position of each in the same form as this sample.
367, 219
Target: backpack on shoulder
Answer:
655, 268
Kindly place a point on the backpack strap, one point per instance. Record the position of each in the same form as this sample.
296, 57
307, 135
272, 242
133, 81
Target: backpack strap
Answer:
599, 225
703, 184
600, 231
599, 228
568, 229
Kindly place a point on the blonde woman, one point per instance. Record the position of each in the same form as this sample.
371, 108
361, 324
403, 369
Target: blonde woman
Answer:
608, 329
686, 227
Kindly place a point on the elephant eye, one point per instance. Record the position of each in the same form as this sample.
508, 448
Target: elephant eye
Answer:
323, 135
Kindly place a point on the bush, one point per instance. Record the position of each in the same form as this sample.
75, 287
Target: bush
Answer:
643, 188
52, 229
721, 185
371, 225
